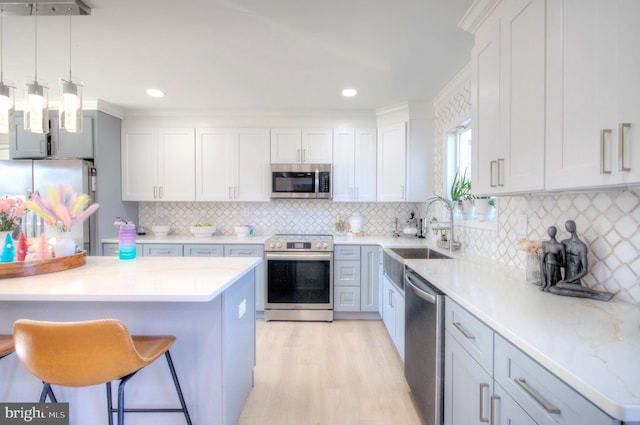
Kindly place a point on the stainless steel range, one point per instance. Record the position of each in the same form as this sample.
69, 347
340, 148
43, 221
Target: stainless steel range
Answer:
299, 281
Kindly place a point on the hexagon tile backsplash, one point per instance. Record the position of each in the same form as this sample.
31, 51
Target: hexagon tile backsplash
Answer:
608, 222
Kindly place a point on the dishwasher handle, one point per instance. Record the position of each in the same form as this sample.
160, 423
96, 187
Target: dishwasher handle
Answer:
425, 293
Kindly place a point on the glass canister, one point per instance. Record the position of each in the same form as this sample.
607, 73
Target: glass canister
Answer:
127, 241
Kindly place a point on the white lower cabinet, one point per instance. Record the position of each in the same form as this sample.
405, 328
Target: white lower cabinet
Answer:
487, 380
346, 278
393, 314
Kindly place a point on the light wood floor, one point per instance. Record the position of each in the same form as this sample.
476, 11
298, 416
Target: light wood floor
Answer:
315, 373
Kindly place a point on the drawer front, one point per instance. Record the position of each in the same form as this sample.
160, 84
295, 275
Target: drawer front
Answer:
113, 250
243, 250
346, 252
346, 273
162, 250
346, 298
474, 336
544, 396
200, 250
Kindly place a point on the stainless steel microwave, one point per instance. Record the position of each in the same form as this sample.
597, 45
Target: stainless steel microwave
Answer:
302, 181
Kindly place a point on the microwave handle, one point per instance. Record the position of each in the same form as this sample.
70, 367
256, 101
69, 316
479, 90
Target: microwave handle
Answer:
317, 185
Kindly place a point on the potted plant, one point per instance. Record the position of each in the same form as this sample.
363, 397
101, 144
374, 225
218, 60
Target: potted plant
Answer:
484, 207
461, 193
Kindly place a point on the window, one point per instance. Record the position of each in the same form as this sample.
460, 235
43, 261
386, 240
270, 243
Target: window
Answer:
459, 152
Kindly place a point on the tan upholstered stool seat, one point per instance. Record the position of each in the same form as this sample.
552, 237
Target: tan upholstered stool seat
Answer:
77, 354
6, 345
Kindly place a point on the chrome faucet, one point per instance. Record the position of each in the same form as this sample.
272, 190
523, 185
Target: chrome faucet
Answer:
453, 245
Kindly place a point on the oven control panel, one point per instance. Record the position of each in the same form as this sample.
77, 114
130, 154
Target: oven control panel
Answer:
299, 243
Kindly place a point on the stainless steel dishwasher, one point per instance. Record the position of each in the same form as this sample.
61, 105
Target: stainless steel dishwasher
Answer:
423, 352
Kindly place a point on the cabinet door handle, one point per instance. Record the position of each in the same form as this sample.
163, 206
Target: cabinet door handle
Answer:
155, 192
298, 157
501, 173
494, 399
390, 298
402, 192
492, 166
304, 155
482, 388
603, 137
621, 165
522, 383
160, 191
463, 331
245, 253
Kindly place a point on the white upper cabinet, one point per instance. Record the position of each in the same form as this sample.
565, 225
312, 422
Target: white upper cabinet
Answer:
307, 145
157, 164
232, 164
508, 94
354, 165
392, 165
593, 113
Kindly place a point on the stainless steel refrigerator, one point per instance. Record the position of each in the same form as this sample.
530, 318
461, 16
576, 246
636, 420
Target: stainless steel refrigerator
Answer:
24, 177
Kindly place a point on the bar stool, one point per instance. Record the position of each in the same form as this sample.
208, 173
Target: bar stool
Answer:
6, 345
78, 354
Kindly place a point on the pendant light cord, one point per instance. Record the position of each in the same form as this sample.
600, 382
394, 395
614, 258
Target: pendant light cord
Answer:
1, 45
70, 45
36, 45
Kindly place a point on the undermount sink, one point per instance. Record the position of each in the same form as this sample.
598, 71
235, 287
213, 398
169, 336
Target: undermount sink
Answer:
419, 254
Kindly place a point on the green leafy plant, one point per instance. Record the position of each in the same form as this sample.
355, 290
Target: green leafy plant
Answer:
461, 187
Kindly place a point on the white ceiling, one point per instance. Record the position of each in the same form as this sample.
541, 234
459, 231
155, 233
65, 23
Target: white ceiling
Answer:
245, 54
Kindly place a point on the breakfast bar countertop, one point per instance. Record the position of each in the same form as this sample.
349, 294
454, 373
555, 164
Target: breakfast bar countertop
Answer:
147, 279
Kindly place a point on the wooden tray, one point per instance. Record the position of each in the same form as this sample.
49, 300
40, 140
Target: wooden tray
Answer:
31, 268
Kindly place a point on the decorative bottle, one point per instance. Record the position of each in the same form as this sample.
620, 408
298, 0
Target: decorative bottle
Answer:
127, 241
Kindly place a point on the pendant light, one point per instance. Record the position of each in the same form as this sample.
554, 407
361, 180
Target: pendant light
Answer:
36, 113
7, 99
70, 99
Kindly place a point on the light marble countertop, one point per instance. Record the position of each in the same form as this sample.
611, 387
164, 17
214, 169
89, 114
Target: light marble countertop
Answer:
145, 279
593, 346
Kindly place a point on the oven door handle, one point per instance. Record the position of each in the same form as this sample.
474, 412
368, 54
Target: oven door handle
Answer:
306, 256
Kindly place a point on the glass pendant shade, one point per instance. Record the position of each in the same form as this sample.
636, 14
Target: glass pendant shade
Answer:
36, 113
70, 106
7, 108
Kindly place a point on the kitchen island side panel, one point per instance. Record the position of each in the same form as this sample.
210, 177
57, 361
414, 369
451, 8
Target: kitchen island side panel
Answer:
197, 355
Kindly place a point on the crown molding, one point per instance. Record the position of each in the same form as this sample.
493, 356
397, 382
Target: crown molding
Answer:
452, 87
477, 14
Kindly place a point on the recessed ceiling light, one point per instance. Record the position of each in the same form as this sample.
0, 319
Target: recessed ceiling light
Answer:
155, 93
349, 92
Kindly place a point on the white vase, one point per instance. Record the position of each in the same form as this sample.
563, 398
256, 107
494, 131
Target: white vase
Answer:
64, 246
468, 209
483, 209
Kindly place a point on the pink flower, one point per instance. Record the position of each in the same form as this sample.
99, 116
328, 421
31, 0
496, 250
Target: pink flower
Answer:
11, 209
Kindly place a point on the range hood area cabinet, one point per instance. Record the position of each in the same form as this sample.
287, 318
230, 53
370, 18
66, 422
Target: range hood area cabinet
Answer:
554, 94
354, 164
405, 161
507, 97
232, 164
158, 164
26, 145
301, 146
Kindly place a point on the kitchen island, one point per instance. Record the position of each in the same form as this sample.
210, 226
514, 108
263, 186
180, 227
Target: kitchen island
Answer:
207, 303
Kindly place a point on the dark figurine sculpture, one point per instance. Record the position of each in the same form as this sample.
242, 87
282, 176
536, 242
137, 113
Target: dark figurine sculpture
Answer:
572, 255
552, 260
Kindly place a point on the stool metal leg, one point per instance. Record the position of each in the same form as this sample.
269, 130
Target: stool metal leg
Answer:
47, 391
178, 389
121, 409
